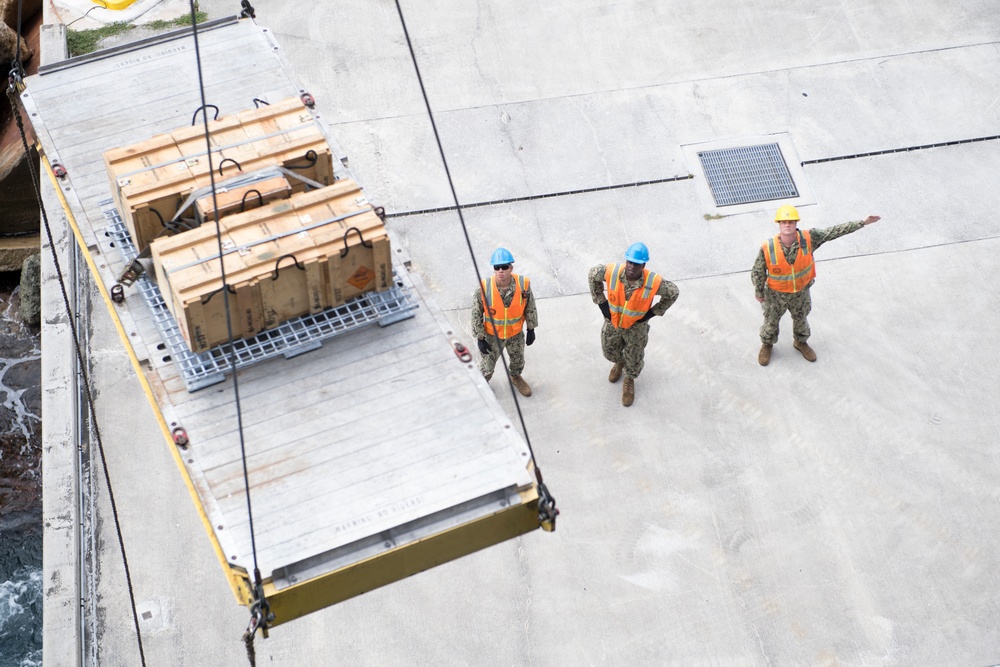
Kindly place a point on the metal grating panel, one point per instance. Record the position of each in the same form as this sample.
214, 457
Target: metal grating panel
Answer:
288, 339
747, 174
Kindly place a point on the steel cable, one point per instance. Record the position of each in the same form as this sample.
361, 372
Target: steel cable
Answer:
547, 501
12, 95
260, 610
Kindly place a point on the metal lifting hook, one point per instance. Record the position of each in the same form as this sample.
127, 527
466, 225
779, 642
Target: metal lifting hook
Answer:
547, 510
260, 612
15, 79
260, 618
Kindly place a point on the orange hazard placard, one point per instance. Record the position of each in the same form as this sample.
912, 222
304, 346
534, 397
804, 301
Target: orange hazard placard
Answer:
362, 277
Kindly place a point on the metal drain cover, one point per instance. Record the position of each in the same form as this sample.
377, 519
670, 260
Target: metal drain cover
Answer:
747, 174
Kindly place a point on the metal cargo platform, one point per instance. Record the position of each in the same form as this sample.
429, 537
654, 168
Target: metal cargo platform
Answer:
379, 453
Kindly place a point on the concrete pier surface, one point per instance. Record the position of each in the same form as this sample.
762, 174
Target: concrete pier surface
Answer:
828, 513
95, 14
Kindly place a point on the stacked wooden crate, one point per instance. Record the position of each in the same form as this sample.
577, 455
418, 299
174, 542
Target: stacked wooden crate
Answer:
151, 180
283, 247
291, 257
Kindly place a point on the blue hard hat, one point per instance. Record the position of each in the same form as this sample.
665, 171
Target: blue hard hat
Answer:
501, 256
637, 253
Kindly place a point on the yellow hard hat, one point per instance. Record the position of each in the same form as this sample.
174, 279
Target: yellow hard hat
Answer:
787, 212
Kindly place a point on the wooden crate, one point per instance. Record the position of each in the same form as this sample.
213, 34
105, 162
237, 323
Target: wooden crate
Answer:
289, 258
352, 248
356, 269
314, 270
286, 130
190, 281
144, 184
240, 199
151, 180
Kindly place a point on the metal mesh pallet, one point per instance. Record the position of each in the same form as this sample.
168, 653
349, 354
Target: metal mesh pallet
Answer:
289, 339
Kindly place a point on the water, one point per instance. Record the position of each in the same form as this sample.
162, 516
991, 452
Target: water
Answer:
21, 617
20, 486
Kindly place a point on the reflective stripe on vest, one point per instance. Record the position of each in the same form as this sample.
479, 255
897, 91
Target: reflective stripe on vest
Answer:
509, 320
785, 277
626, 312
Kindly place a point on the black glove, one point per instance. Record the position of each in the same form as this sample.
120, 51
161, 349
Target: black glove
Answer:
605, 310
647, 317
530, 337
484, 347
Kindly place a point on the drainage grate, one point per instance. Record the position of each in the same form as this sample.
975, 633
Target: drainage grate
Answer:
747, 174
287, 339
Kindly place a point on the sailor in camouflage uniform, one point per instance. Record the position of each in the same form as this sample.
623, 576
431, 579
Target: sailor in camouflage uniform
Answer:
511, 308
627, 309
784, 272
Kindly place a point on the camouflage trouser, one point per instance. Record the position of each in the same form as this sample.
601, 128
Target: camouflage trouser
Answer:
515, 352
775, 304
625, 346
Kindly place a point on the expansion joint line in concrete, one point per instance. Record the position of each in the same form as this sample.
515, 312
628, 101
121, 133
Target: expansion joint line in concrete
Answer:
510, 200
906, 149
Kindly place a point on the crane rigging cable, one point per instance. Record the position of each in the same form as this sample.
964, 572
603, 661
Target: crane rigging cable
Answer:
547, 511
14, 88
260, 614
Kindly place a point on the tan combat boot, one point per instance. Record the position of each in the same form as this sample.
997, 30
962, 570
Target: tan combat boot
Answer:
764, 356
521, 385
615, 374
628, 392
806, 351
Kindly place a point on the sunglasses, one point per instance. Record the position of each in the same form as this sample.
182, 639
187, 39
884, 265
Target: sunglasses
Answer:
501, 267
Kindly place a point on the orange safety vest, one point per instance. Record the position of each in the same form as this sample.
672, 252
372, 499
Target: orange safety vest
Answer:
508, 319
625, 313
783, 277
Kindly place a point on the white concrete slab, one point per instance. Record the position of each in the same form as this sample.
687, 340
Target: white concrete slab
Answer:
480, 54
604, 138
61, 511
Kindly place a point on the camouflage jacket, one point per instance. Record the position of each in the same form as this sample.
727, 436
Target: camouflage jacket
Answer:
758, 275
506, 293
667, 292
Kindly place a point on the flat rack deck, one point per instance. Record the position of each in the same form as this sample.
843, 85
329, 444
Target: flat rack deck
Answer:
375, 456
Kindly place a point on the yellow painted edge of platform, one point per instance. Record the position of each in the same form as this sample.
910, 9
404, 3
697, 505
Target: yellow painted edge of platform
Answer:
323, 591
237, 577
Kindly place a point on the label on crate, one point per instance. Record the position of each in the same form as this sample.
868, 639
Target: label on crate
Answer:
361, 277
